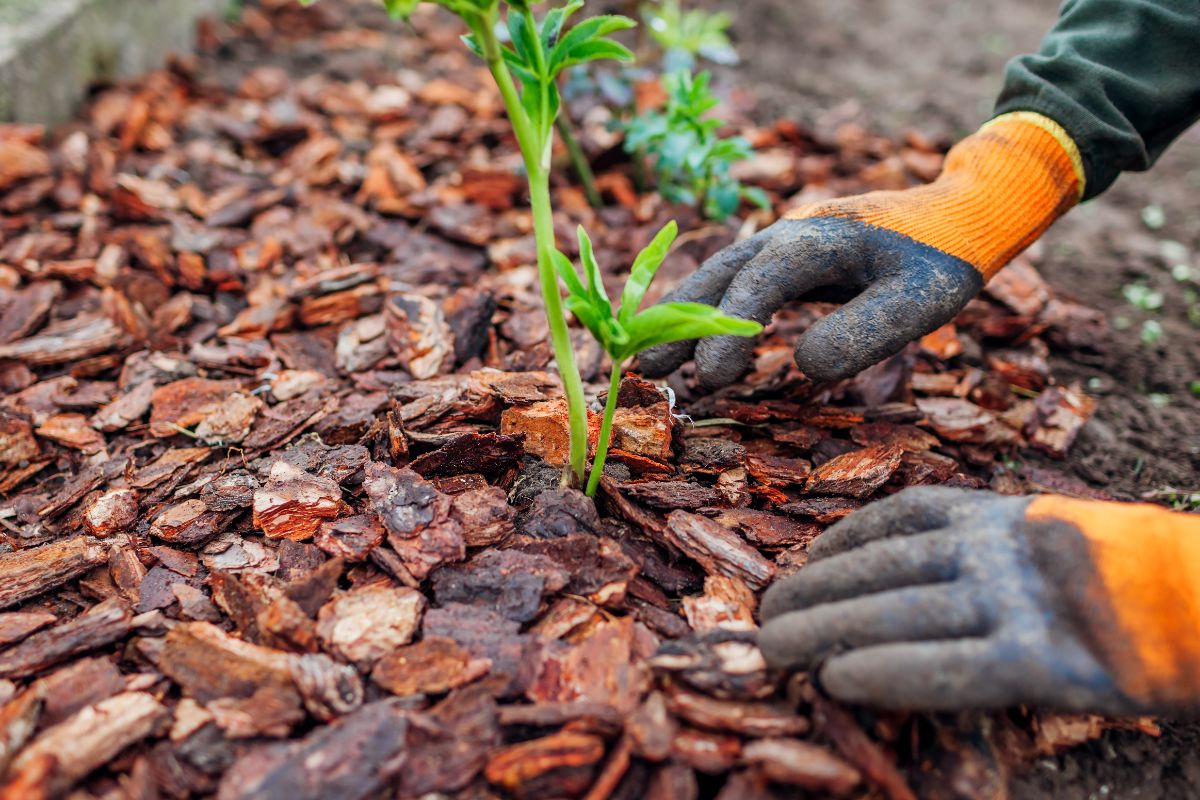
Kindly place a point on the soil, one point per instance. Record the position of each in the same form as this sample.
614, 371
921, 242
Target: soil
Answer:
935, 66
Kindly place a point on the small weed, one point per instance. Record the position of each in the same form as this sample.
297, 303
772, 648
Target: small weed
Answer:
1141, 296
690, 160
1152, 332
686, 35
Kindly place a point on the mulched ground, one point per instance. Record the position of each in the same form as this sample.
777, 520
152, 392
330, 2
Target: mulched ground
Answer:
278, 480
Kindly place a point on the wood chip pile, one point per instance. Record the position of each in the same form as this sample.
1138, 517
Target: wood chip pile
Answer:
279, 448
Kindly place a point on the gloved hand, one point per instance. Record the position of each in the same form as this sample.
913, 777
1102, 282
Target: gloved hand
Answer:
915, 257
947, 599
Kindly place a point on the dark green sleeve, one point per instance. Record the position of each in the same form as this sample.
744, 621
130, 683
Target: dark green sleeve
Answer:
1122, 76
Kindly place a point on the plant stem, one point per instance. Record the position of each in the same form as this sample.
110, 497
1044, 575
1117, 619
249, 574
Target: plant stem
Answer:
610, 410
579, 160
535, 150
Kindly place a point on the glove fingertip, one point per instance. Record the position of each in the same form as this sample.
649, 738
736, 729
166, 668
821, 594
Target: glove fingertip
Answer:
662, 360
721, 360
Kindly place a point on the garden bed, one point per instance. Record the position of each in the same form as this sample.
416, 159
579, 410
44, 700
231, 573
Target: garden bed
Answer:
282, 444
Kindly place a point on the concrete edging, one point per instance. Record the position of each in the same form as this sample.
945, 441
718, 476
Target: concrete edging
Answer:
52, 50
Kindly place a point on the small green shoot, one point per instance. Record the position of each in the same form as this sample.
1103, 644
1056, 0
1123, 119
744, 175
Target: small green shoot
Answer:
526, 69
690, 160
625, 332
1152, 332
1142, 297
686, 35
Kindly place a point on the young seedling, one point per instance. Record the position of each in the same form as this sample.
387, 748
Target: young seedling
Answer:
690, 161
626, 332
526, 71
685, 36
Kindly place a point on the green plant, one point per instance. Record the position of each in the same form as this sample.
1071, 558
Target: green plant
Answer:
537, 53
625, 332
684, 35
691, 162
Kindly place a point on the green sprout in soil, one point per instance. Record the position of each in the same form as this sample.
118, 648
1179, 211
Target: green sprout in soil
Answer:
685, 36
626, 332
691, 162
526, 71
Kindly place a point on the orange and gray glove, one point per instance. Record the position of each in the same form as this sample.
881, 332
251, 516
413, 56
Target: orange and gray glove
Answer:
913, 257
946, 599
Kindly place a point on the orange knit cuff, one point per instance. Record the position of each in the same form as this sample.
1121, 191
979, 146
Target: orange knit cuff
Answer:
1000, 189
1146, 568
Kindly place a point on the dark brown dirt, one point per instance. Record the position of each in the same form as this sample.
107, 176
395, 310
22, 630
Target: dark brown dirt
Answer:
935, 66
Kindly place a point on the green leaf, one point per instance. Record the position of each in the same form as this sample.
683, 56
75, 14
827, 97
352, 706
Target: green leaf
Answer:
566, 271
552, 25
595, 283
590, 29
678, 322
595, 50
642, 272
525, 42
399, 9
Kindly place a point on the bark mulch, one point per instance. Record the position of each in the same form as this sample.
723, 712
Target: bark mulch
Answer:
279, 448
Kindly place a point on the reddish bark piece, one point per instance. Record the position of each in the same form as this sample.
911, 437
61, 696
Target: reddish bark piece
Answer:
16, 625
489, 454
419, 334
228, 421
764, 529
746, 718
189, 522
100, 625
545, 429
825, 510
353, 758
113, 512
28, 573
72, 430
78, 684
364, 624
230, 491
185, 403
599, 570
651, 728
17, 443
352, 538
329, 689
405, 503
93, 737
855, 474
512, 583
434, 665
270, 711
21, 160
727, 603
674, 781
672, 495
1075, 327
169, 465
294, 503
209, 663
559, 765
778, 471
600, 668
1061, 414
417, 518
485, 516
125, 409
852, 742
710, 753
488, 635
961, 421
1020, 287
717, 549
